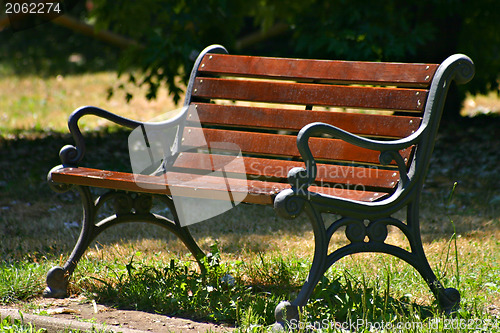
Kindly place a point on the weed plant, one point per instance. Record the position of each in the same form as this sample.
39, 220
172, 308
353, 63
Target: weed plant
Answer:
20, 281
218, 295
8, 325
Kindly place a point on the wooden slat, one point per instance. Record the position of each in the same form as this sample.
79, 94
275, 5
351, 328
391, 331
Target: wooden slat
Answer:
272, 169
318, 70
272, 118
280, 145
195, 186
311, 94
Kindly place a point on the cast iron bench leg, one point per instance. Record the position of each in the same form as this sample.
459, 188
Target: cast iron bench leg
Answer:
286, 311
356, 232
449, 298
128, 208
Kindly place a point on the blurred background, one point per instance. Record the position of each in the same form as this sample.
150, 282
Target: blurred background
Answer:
152, 43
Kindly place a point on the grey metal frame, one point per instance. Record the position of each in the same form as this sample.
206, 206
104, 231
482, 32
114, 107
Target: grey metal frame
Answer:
361, 219
370, 219
128, 207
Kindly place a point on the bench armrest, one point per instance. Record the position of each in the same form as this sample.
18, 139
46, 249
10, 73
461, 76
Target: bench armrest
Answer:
301, 178
71, 155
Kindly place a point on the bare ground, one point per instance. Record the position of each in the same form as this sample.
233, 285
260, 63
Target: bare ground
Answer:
81, 309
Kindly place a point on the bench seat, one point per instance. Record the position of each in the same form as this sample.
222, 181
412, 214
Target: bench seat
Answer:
195, 185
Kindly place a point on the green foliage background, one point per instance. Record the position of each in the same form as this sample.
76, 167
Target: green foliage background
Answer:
45, 49
171, 32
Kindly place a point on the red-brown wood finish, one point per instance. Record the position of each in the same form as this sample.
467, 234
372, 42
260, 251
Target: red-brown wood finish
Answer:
319, 70
310, 94
291, 119
197, 186
279, 145
277, 170
263, 137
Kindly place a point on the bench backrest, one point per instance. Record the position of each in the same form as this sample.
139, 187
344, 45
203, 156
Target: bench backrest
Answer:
260, 103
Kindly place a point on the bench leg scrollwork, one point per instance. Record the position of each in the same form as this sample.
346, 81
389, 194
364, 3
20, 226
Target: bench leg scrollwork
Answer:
364, 236
128, 207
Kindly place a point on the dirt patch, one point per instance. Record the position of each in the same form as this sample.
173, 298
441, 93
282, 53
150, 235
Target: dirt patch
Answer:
81, 309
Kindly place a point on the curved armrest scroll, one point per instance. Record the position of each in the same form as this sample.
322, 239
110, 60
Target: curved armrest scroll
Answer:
72, 155
302, 178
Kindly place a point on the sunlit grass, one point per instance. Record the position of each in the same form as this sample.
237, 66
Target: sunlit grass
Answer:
395, 290
33, 103
271, 257
9, 325
481, 104
20, 281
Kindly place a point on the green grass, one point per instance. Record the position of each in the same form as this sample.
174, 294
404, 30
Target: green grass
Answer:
17, 326
8, 325
147, 269
392, 293
33, 104
20, 281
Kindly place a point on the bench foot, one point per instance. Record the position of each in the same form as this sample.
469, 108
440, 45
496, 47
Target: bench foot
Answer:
284, 313
449, 300
57, 283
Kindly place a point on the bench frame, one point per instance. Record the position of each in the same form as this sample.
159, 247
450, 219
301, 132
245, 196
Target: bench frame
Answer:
370, 219
365, 222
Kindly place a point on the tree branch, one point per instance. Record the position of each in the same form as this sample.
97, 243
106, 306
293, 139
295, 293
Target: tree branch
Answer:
4, 22
89, 30
74, 24
257, 37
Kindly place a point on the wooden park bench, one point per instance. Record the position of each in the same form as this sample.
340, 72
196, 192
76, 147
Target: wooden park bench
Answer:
348, 138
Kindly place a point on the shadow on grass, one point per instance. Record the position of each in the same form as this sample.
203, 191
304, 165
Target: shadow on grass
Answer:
33, 221
466, 152
219, 297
